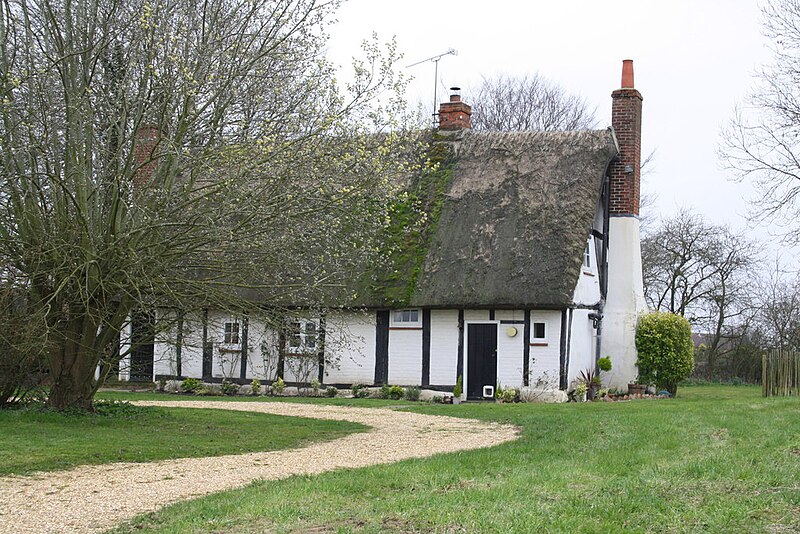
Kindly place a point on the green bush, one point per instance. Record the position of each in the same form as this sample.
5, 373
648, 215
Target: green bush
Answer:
190, 385
666, 352
412, 393
459, 389
359, 391
255, 387
229, 388
278, 386
391, 392
331, 391
604, 364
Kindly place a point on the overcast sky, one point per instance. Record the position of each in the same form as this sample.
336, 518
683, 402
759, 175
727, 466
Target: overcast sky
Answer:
693, 61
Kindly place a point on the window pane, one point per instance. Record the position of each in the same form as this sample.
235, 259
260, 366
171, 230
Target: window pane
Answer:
231, 333
413, 315
311, 335
398, 316
294, 334
538, 330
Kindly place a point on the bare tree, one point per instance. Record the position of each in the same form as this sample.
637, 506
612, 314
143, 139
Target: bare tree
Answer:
530, 102
703, 272
761, 141
184, 154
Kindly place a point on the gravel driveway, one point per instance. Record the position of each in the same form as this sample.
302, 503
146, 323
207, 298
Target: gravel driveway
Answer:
95, 498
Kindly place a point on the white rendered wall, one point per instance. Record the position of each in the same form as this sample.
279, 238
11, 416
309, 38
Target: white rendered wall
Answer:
350, 341
476, 316
510, 350
125, 351
444, 347
546, 354
405, 356
587, 290
625, 300
582, 345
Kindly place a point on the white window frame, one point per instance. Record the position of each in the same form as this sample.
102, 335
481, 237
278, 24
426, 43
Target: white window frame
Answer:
587, 256
401, 323
231, 336
308, 341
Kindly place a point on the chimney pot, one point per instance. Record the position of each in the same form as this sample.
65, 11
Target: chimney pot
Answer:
627, 74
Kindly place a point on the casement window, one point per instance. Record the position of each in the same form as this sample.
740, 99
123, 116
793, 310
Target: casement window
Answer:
587, 257
301, 336
538, 331
231, 336
406, 318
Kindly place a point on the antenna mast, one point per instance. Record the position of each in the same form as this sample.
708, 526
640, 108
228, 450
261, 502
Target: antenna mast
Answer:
435, 59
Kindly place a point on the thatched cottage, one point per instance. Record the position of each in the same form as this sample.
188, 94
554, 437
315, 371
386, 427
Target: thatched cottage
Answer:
530, 274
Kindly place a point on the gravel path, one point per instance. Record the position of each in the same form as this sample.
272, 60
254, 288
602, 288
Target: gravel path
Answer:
95, 498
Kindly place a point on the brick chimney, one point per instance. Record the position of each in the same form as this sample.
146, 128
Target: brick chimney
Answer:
454, 115
626, 119
144, 157
624, 299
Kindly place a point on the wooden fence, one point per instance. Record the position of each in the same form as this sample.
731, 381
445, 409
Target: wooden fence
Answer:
781, 373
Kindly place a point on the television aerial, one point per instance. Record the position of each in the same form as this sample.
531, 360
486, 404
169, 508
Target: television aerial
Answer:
435, 59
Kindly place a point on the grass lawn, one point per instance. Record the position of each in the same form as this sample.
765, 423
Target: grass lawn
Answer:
718, 459
33, 440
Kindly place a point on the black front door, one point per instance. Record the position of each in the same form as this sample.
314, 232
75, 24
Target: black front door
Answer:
142, 339
481, 358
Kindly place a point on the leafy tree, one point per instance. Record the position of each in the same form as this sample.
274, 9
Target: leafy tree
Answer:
185, 154
531, 102
666, 353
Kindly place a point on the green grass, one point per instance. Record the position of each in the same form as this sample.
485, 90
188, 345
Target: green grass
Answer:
716, 459
36, 440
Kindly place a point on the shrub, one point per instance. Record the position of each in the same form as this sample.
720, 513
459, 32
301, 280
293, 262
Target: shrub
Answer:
331, 392
210, 390
666, 353
507, 394
229, 388
412, 393
255, 387
359, 391
278, 386
315, 385
459, 389
190, 385
604, 364
391, 392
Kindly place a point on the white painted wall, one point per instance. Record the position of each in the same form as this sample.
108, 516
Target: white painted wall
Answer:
510, 350
405, 356
582, 345
351, 341
587, 290
546, 360
444, 347
625, 300
124, 350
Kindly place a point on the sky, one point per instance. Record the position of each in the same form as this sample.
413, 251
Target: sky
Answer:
693, 62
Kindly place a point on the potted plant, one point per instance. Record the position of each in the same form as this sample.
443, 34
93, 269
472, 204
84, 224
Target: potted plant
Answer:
580, 392
592, 382
635, 388
458, 390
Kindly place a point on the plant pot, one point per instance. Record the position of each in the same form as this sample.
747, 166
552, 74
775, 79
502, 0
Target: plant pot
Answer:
591, 393
456, 400
636, 389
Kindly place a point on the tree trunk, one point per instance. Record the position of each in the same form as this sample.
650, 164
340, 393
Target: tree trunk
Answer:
73, 364
72, 391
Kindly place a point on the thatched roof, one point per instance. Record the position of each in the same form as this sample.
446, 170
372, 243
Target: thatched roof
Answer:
515, 220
